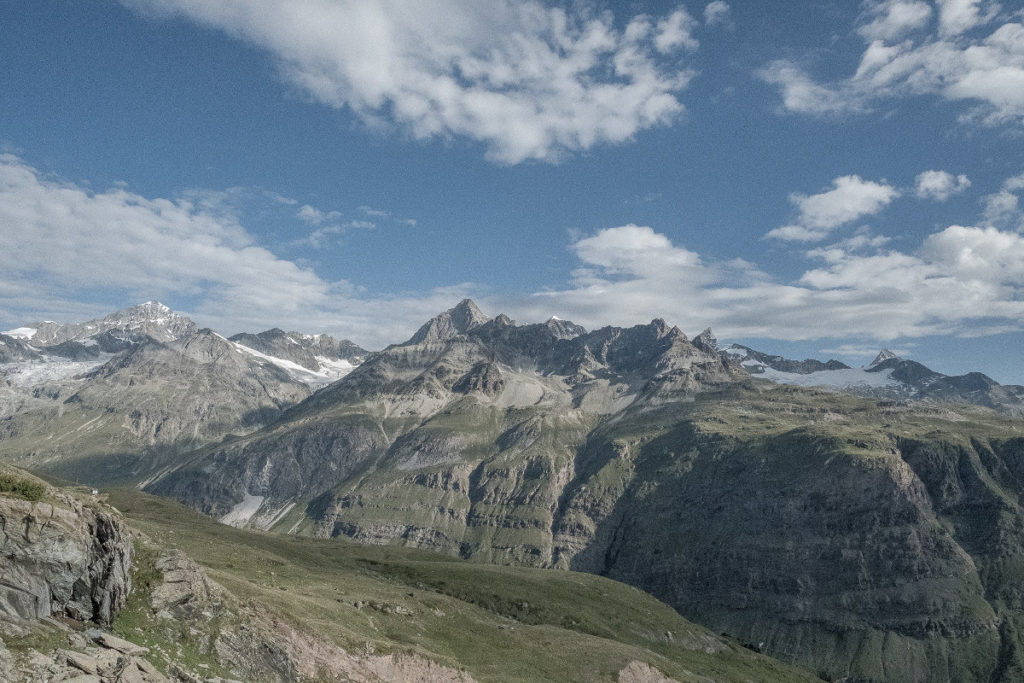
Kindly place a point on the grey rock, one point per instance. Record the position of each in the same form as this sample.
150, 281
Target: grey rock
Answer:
82, 661
453, 322
123, 646
62, 558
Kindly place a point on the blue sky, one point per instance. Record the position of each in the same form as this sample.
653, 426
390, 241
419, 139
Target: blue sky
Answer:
814, 178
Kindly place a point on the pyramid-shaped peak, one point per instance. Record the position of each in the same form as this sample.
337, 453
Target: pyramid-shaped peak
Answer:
468, 313
706, 341
883, 355
453, 322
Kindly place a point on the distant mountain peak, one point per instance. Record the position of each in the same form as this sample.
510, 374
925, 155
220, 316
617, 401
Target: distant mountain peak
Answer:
564, 329
455, 321
149, 319
706, 341
883, 355
152, 305
468, 311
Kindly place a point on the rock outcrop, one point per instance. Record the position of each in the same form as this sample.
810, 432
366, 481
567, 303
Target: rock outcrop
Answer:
59, 556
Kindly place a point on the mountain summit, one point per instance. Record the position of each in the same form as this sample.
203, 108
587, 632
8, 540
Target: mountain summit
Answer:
883, 355
149, 319
453, 322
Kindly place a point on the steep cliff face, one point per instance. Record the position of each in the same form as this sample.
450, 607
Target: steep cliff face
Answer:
807, 543
59, 556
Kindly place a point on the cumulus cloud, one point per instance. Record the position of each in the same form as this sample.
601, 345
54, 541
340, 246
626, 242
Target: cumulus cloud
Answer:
528, 80
961, 57
716, 13
850, 198
1003, 207
892, 19
939, 185
958, 16
961, 280
632, 250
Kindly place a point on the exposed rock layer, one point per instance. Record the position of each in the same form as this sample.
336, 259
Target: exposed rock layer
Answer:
61, 557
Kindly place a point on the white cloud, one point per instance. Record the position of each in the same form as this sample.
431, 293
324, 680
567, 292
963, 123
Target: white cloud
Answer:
675, 31
1014, 184
892, 19
962, 280
528, 80
960, 59
959, 16
1003, 207
1000, 206
716, 13
632, 250
859, 243
939, 185
63, 247
801, 94
797, 233
69, 237
850, 198
375, 213
315, 216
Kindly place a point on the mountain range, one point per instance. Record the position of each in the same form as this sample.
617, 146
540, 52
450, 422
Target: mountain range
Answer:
860, 522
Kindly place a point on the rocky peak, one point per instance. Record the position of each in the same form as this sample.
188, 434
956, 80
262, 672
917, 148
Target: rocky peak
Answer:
205, 346
706, 341
151, 319
453, 322
883, 355
564, 329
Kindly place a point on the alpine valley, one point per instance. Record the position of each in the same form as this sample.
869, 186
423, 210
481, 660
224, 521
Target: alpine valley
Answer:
803, 518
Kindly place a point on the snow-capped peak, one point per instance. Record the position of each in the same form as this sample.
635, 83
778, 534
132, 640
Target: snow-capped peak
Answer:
883, 355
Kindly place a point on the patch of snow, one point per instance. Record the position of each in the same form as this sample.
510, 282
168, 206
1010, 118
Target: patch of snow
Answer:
329, 371
21, 332
739, 353
849, 378
242, 512
48, 369
339, 367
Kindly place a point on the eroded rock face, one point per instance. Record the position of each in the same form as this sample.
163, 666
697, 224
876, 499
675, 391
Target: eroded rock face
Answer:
61, 557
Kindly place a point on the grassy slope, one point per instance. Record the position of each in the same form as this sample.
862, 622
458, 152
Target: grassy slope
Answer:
499, 623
